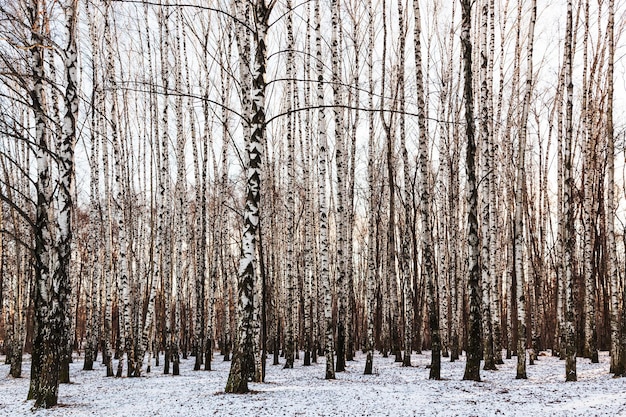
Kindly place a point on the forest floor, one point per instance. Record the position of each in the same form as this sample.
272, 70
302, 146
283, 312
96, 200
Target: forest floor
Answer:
393, 390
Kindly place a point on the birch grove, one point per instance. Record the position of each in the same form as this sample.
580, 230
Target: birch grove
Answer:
309, 181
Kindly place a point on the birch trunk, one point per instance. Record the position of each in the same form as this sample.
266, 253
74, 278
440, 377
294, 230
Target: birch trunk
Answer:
392, 304
14, 282
126, 342
163, 249
405, 251
370, 283
44, 382
209, 303
148, 321
107, 356
451, 166
291, 202
180, 190
323, 207
493, 210
568, 209
219, 234
590, 348
428, 257
519, 206
354, 99
342, 244
242, 366
616, 366
472, 367
200, 242
91, 310
485, 191
309, 271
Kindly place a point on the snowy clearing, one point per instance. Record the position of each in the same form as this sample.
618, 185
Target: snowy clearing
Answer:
302, 391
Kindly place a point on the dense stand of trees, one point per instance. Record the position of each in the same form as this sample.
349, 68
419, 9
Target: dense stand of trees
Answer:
264, 177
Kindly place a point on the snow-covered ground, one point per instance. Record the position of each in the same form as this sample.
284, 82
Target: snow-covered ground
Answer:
302, 391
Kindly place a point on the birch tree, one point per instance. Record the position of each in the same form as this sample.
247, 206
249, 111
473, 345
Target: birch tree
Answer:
322, 200
425, 205
52, 288
164, 211
472, 367
616, 366
407, 196
65, 158
291, 203
496, 282
568, 209
590, 349
91, 304
119, 175
389, 128
143, 340
370, 283
44, 384
519, 207
485, 190
309, 264
242, 365
341, 174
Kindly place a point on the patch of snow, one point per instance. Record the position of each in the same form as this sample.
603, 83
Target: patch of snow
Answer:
393, 390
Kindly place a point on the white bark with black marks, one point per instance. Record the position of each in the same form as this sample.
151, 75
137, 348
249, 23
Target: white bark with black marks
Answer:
472, 367
616, 366
568, 203
322, 160
242, 366
371, 279
428, 255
